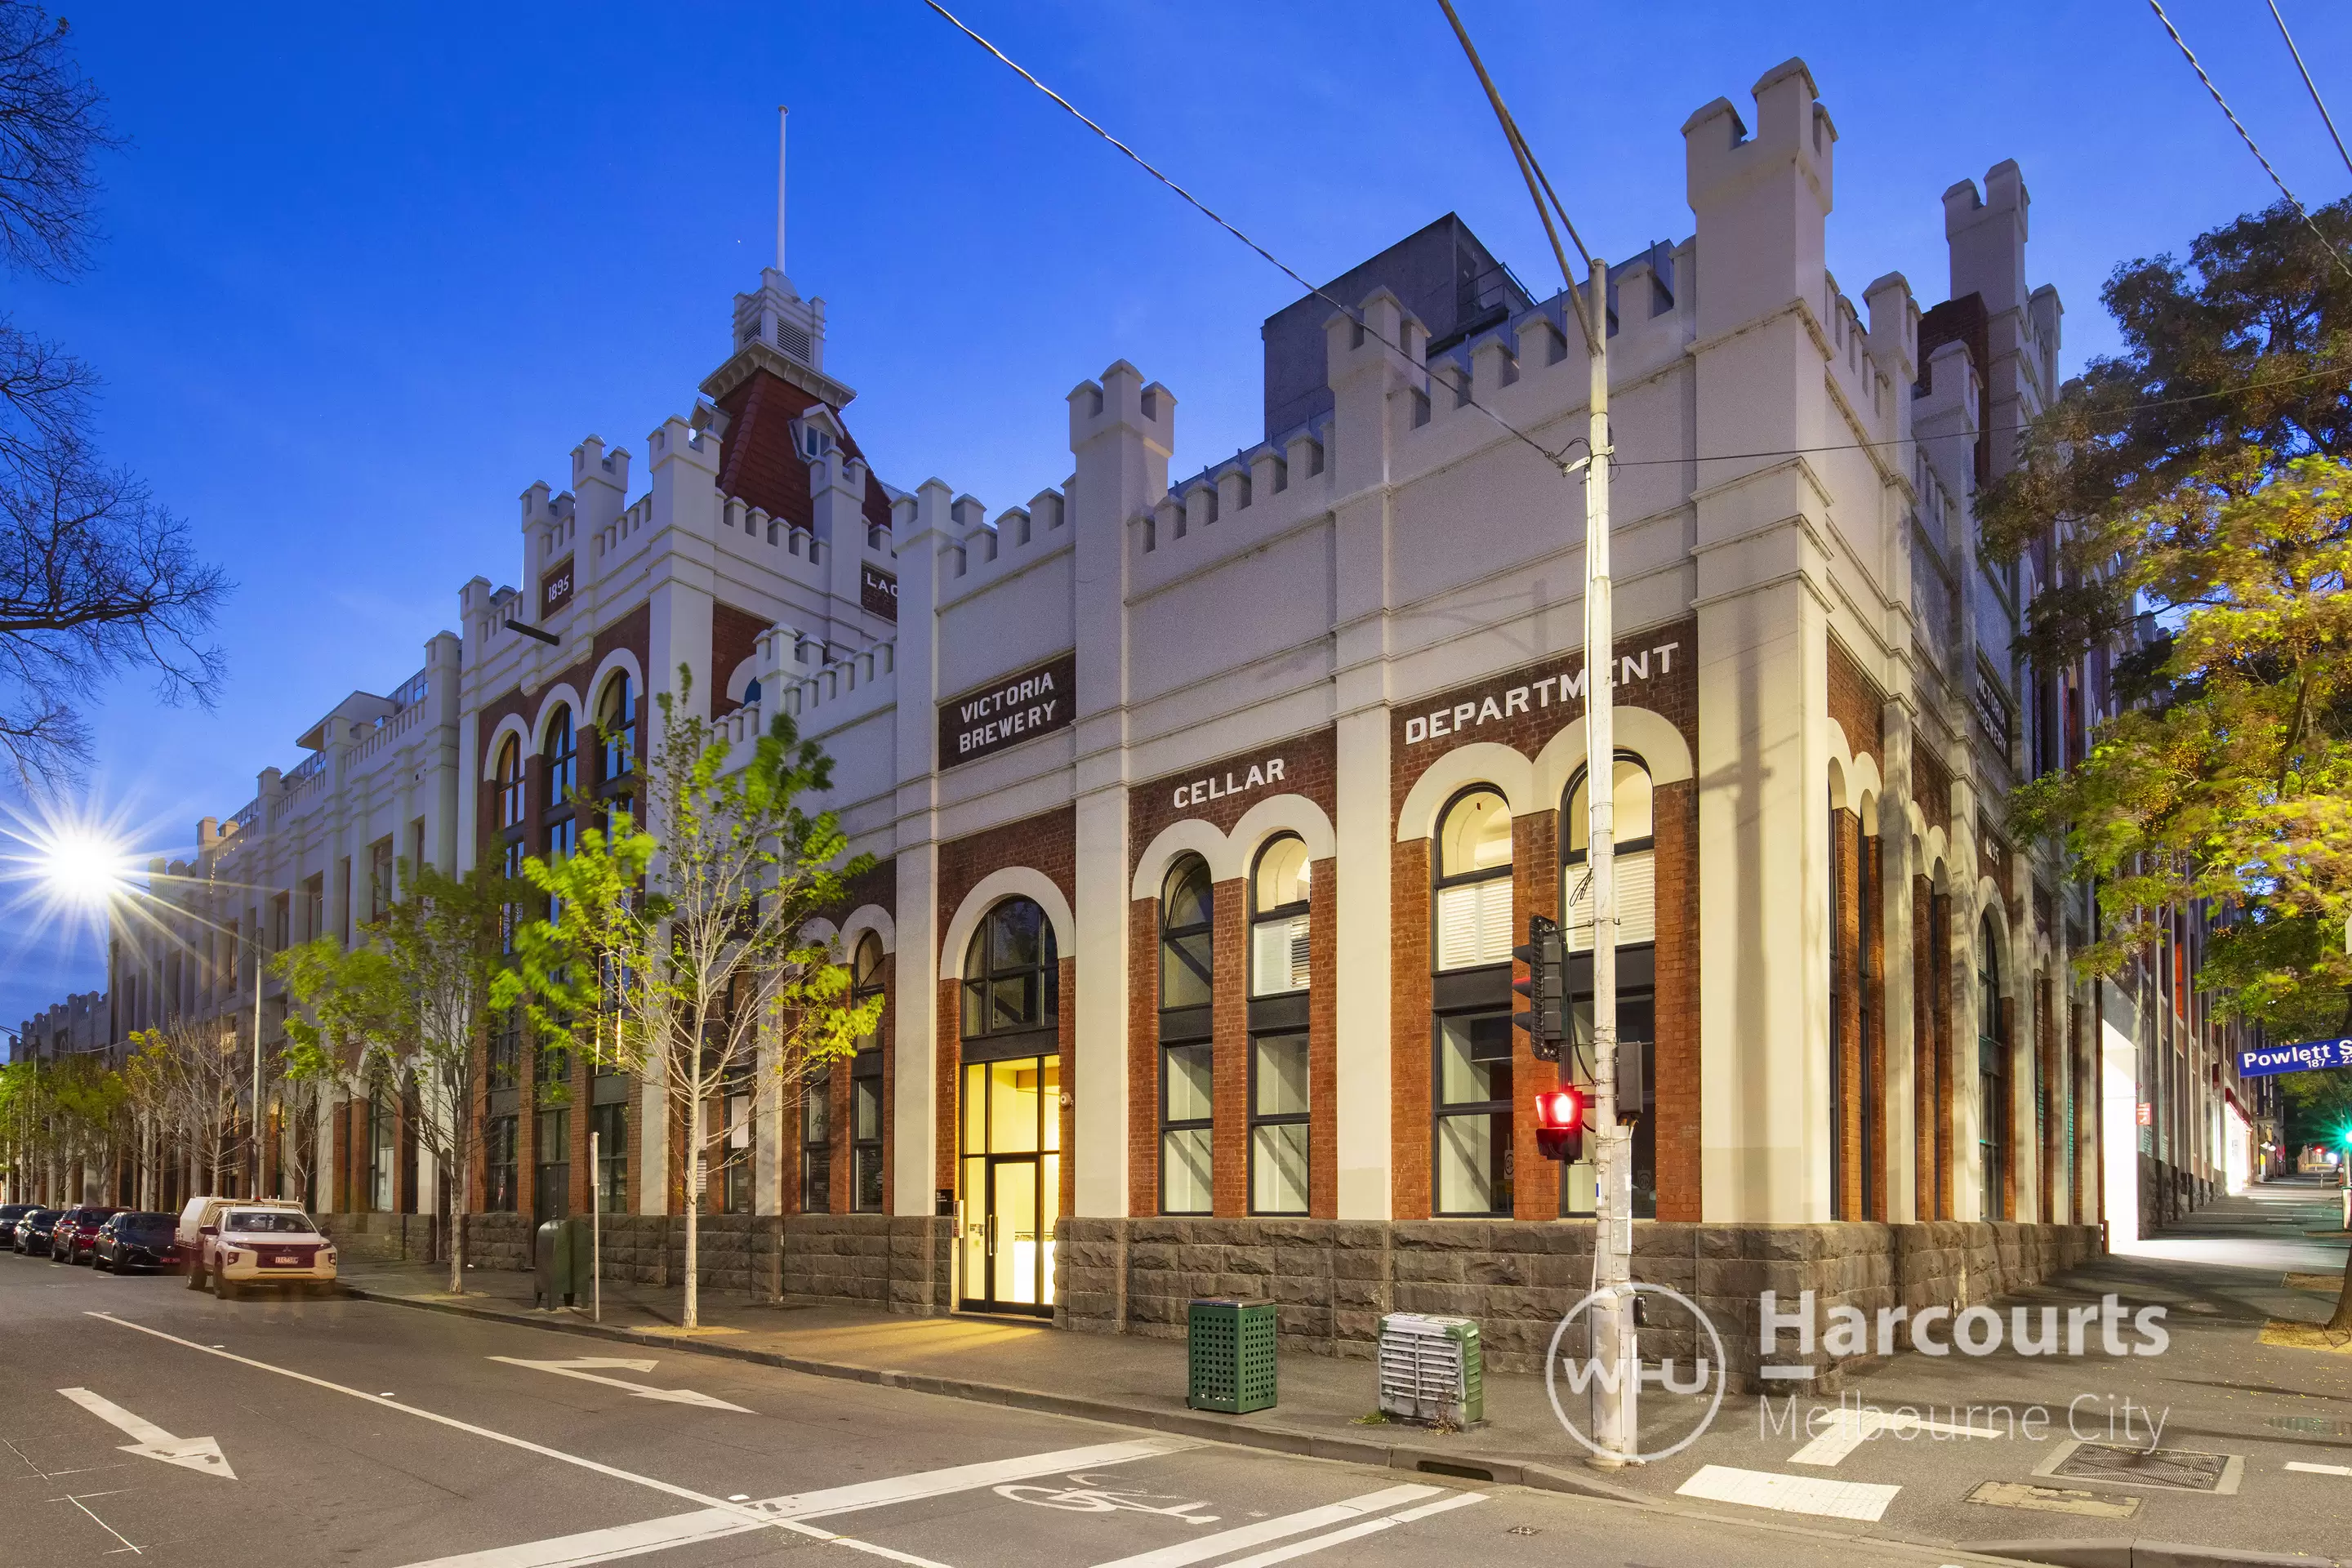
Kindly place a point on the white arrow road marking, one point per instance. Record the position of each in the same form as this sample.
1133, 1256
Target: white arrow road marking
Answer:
1789, 1494
151, 1441
588, 1369
1201, 1548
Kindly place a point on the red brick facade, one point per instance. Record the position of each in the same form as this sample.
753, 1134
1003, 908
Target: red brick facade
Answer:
1858, 706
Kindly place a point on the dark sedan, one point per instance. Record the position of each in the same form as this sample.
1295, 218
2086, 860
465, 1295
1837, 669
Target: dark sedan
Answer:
33, 1232
132, 1239
9, 1215
77, 1233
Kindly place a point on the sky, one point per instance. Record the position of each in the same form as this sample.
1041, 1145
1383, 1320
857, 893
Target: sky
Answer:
371, 271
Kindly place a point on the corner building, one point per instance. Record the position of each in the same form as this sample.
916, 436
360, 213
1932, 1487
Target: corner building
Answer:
1206, 813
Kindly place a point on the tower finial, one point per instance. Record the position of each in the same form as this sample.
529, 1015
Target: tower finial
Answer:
781, 115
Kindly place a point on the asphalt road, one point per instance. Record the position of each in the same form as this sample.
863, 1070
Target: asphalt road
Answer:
349, 1431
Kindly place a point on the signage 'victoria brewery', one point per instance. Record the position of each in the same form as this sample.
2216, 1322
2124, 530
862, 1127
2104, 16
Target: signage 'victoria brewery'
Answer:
1195, 936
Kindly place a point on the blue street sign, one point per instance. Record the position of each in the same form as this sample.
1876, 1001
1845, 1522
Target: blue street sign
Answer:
2305, 1057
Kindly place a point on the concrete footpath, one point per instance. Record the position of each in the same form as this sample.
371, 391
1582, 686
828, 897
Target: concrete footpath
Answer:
2222, 1449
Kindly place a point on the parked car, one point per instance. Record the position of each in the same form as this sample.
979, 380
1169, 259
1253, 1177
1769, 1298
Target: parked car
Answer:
77, 1233
197, 1232
277, 1244
135, 1239
33, 1231
9, 1215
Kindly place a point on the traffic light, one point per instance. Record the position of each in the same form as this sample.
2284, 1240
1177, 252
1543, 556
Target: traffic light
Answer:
1547, 960
1560, 1124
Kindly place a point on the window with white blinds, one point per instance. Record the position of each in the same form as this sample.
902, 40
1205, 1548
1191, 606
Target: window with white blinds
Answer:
1474, 924
1278, 961
1637, 901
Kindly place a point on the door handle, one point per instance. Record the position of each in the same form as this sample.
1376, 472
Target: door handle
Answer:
992, 1235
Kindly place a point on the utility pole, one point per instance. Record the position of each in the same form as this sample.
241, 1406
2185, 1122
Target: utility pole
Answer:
1614, 1419
258, 955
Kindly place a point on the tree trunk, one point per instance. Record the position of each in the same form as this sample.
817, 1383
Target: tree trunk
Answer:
690, 1318
2341, 1323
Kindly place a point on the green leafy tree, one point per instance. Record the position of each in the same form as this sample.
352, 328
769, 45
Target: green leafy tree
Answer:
186, 1075
25, 1115
673, 946
2191, 500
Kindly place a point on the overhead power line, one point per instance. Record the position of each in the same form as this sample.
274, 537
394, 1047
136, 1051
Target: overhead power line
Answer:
2312, 86
2247, 136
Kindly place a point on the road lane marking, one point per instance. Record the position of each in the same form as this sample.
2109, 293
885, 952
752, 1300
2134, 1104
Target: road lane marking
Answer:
752, 1519
1354, 1531
150, 1441
1852, 1429
794, 1510
588, 1369
1201, 1548
2319, 1470
1789, 1494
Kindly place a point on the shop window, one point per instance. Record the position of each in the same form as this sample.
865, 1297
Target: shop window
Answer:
1187, 1072
1635, 858
1473, 882
1992, 1075
816, 1142
616, 727
1278, 930
1473, 1156
1012, 975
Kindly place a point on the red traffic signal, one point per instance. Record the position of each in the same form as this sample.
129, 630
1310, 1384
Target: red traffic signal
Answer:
1560, 1124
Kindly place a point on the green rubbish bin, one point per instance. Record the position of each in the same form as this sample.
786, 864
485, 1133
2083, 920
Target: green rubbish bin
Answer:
1229, 1355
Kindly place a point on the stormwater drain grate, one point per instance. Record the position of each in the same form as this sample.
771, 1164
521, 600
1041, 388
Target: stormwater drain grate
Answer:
2317, 1425
2172, 1469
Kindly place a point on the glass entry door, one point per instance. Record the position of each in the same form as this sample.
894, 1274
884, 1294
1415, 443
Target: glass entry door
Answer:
1010, 1184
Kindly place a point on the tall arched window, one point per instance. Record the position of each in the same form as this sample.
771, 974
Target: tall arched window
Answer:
1992, 1075
1278, 1038
1472, 1105
563, 754
866, 1084
1633, 831
509, 784
1635, 858
616, 726
1187, 920
1473, 882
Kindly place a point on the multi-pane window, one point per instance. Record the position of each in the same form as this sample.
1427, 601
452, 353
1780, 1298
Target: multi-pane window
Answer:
1473, 1113
562, 755
609, 1123
1473, 882
506, 1048
866, 1084
616, 726
1278, 1049
510, 783
1187, 1068
501, 1142
383, 1156
1634, 836
552, 1188
1278, 891
1012, 975
379, 882
735, 1192
816, 1142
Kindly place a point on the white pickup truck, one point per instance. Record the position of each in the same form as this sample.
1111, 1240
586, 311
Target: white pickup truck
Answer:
231, 1242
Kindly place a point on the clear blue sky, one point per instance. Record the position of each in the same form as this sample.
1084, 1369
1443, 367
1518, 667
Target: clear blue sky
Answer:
372, 270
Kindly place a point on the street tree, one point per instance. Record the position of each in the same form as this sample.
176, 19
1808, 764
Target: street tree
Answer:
187, 1074
675, 942
2189, 499
96, 578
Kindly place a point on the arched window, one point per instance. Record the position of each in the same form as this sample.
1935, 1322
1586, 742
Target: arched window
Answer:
616, 725
1992, 1075
1011, 974
1473, 882
1187, 919
563, 754
866, 1084
1635, 837
1279, 1037
509, 784
1633, 832
1278, 888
